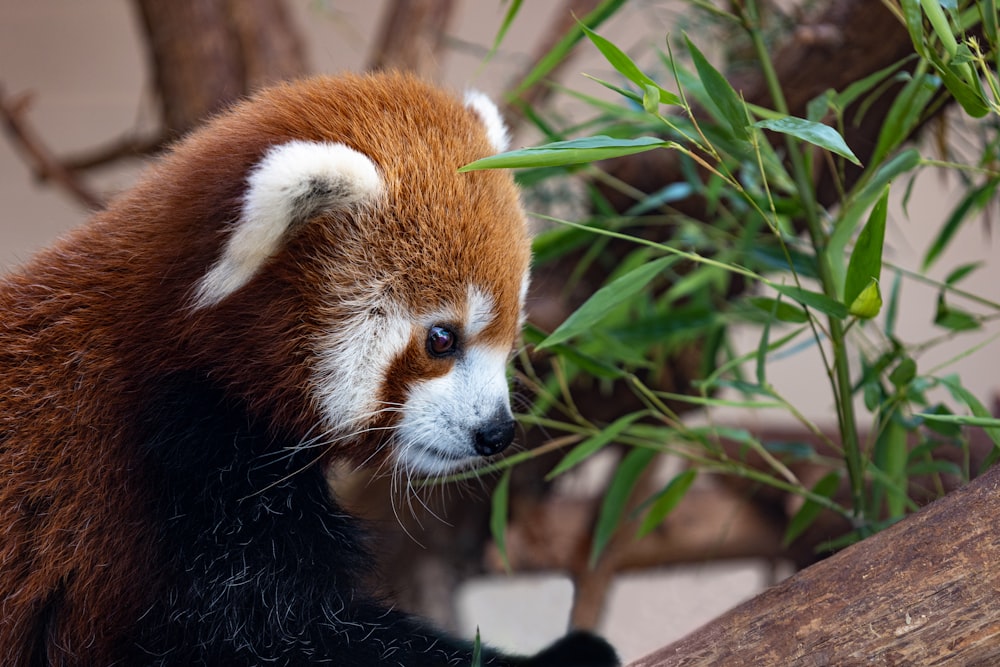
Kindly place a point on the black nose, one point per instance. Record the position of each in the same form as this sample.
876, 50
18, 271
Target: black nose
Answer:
494, 436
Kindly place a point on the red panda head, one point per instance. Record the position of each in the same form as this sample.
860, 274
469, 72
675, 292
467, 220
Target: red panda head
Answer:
372, 293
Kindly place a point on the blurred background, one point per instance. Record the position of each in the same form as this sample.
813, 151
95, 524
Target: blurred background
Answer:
92, 90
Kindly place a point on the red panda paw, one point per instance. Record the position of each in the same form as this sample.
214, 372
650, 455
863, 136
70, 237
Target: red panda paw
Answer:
576, 649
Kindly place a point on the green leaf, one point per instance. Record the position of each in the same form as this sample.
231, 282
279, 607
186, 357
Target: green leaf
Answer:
873, 189
760, 366
973, 201
934, 467
903, 373
782, 310
867, 304
508, 19
959, 274
730, 105
624, 92
651, 99
890, 456
865, 265
477, 650
893, 310
616, 498
593, 444
817, 134
990, 17
606, 299
621, 62
666, 500
914, 24
670, 193
953, 319
939, 23
498, 516
905, 114
858, 88
990, 425
986, 422
818, 105
942, 428
820, 302
810, 509
565, 153
970, 97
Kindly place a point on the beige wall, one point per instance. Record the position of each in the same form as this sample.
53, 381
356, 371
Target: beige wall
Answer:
85, 66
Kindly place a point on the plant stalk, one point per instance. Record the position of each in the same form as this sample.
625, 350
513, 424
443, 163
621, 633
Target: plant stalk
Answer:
840, 374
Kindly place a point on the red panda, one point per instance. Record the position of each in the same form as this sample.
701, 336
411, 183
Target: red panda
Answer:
306, 278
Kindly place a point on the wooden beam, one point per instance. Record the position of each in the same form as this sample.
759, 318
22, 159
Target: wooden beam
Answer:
924, 592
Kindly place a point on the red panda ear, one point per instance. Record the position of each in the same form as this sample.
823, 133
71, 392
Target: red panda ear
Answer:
293, 182
496, 129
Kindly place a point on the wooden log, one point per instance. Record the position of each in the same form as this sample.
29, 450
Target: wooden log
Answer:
924, 592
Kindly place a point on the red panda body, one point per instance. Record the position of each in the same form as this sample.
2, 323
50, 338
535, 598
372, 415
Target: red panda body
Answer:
308, 277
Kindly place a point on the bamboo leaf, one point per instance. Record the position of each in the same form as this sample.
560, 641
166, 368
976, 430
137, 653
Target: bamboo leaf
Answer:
606, 299
870, 193
970, 97
508, 19
616, 498
867, 304
890, 456
914, 24
820, 302
982, 416
961, 272
903, 373
666, 500
624, 92
670, 193
954, 319
621, 62
477, 650
565, 153
817, 134
730, 105
990, 16
593, 444
782, 310
934, 467
905, 114
892, 310
974, 200
810, 509
864, 270
760, 367
858, 88
818, 105
499, 509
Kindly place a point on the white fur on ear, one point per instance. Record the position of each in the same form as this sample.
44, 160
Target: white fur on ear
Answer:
292, 182
496, 129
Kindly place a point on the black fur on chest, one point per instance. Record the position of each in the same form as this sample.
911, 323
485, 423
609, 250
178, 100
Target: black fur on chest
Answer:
260, 564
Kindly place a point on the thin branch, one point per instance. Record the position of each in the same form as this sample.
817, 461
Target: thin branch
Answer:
119, 149
44, 164
412, 36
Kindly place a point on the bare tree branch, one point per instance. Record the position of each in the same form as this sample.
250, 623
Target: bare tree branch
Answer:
193, 57
412, 36
43, 163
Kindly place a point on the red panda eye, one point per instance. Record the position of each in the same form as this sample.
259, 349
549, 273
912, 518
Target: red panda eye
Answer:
441, 341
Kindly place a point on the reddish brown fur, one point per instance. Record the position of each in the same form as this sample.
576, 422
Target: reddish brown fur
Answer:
90, 324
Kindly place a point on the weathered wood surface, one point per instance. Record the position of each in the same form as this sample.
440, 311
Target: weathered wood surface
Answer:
924, 592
